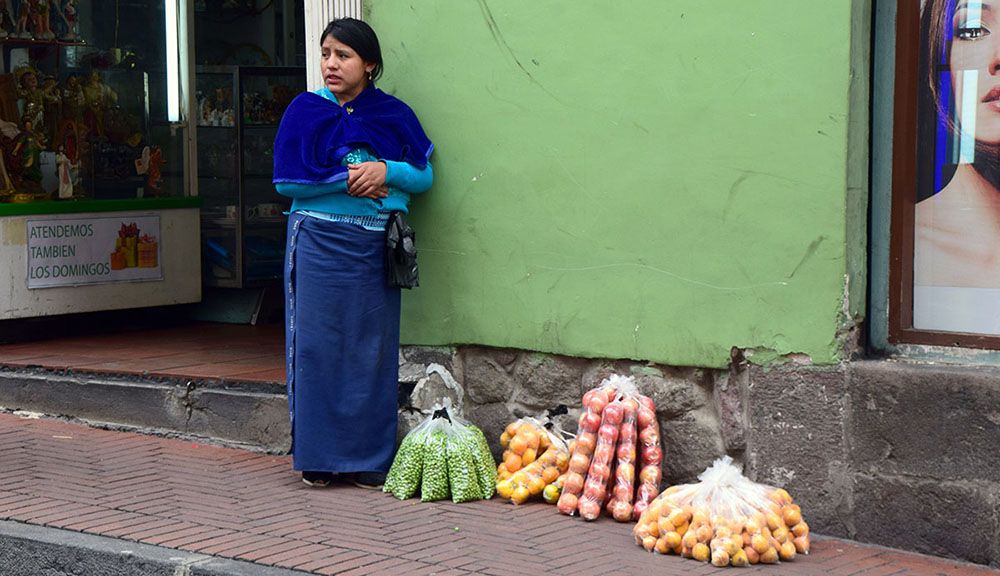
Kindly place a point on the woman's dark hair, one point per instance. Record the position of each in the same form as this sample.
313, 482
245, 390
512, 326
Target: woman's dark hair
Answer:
360, 37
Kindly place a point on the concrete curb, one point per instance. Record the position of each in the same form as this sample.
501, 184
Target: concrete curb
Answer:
27, 550
252, 415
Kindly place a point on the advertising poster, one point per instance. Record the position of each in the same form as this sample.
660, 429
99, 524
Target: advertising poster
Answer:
72, 252
956, 256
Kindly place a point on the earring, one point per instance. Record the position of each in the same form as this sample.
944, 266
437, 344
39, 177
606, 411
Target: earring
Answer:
369, 75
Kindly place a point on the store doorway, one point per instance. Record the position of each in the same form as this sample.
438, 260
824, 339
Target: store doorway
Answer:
250, 63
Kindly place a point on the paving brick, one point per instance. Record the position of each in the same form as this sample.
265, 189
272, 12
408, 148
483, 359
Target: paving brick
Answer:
251, 506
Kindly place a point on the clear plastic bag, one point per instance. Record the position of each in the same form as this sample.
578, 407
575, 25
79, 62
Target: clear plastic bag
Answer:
594, 403
404, 477
540, 472
623, 490
471, 470
650, 456
726, 519
434, 480
443, 456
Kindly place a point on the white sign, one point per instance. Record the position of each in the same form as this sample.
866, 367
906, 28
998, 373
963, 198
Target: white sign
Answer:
71, 252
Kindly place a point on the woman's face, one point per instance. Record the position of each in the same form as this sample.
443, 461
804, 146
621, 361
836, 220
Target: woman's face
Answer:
344, 72
975, 67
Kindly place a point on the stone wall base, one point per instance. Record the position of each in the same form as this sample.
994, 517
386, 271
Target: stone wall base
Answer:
898, 454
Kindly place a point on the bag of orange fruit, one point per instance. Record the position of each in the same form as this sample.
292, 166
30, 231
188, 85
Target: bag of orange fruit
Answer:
534, 459
725, 519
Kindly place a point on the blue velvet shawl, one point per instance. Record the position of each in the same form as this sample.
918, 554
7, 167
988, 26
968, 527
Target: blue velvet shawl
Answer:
315, 134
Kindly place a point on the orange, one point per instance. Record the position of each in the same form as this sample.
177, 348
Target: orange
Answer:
505, 489
787, 551
512, 462
511, 429
673, 539
528, 456
701, 552
752, 556
649, 543
531, 437
536, 485
550, 474
791, 514
704, 533
720, 558
739, 559
801, 544
520, 495
800, 529
518, 444
781, 496
759, 543
562, 460
676, 516
769, 557
773, 520
661, 546
504, 439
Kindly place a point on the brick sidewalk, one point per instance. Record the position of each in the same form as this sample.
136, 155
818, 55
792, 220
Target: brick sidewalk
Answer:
248, 506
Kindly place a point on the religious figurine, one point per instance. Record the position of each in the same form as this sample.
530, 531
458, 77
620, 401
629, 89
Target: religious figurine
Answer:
73, 99
21, 27
26, 156
98, 97
41, 28
63, 173
30, 96
67, 14
7, 25
154, 178
52, 102
6, 184
72, 102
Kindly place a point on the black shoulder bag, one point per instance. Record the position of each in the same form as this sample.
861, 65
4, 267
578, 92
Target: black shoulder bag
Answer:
400, 252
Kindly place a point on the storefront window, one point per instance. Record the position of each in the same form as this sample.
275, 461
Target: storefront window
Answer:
83, 102
946, 199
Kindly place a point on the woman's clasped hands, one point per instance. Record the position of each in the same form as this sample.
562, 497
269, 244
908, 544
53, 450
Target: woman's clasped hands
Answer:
367, 180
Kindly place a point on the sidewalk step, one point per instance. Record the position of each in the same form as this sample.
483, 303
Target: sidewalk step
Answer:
239, 413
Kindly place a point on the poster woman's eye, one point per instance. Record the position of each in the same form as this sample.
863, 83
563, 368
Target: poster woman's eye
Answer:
971, 32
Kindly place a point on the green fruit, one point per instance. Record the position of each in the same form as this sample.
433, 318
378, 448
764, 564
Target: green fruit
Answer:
551, 493
462, 474
403, 479
434, 484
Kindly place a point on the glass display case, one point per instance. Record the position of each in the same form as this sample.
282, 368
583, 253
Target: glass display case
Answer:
83, 112
243, 221
95, 137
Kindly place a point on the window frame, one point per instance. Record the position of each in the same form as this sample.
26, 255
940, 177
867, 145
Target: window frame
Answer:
904, 183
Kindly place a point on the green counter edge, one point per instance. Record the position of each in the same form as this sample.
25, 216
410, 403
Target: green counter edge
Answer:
77, 206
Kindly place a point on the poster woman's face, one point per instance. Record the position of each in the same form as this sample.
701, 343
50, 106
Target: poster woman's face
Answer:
975, 66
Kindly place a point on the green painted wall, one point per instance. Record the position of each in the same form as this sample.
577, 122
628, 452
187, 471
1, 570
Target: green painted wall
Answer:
663, 182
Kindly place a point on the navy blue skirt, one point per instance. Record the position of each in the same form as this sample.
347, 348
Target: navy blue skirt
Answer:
342, 340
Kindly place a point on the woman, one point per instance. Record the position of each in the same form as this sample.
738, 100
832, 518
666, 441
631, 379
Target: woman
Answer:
957, 230
347, 155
